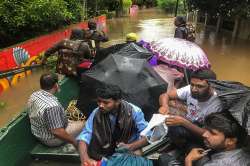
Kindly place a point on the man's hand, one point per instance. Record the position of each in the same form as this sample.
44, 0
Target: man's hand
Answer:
163, 110
89, 162
123, 145
44, 60
175, 120
194, 155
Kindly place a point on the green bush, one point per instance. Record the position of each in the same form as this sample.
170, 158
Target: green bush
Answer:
126, 3
169, 5
24, 19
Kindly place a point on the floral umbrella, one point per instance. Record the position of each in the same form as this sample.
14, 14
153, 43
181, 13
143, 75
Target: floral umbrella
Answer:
180, 52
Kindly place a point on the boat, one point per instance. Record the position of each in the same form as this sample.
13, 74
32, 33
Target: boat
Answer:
19, 147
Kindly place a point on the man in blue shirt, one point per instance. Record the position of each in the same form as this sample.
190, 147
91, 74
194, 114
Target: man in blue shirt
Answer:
114, 123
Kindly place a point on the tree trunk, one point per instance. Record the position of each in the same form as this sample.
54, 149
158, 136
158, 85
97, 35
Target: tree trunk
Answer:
219, 23
236, 27
176, 8
206, 19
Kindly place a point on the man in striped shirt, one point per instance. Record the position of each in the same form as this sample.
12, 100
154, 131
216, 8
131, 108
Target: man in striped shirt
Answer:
47, 116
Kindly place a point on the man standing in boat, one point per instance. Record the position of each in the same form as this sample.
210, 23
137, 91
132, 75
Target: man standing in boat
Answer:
71, 52
95, 36
49, 123
114, 123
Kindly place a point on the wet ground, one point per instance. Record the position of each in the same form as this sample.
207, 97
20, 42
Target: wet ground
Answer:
229, 60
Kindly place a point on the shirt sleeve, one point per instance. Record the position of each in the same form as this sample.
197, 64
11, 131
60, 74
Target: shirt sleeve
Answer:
54, 48
138, 117
184, 92
53, 117
86, 133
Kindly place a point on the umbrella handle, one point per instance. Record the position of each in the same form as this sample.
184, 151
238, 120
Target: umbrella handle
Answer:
186, 75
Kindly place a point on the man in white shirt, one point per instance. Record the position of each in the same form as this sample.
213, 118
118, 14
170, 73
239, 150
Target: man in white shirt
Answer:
201, 100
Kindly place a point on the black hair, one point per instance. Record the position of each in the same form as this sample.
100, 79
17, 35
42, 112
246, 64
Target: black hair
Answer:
76, 34
48, 81
227, 124
204, 74
181, 20
109, 92
92, 24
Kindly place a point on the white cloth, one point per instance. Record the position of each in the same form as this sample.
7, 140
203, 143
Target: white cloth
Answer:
156, 129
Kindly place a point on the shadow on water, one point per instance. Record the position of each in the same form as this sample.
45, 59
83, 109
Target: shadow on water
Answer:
229, 60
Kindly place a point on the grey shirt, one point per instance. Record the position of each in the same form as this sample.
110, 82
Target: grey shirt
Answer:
197, 111
229, 158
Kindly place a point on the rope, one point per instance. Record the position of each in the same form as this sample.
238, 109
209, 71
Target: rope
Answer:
73, 113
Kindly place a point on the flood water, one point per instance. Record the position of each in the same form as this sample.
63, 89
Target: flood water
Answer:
229, 60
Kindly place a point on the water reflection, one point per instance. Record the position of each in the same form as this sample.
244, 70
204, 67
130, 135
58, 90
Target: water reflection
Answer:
17, 96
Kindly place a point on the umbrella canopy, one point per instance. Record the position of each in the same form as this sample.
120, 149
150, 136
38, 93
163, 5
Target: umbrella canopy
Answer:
139, 83
235, 98
181, 53
125, 49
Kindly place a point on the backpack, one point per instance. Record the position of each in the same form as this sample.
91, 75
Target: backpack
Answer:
72, 53
190, 32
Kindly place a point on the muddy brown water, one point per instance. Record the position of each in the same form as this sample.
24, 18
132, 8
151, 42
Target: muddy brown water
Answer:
229, 60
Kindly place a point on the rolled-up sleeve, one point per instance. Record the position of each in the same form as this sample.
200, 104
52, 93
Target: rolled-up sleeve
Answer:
86, 133
183, 92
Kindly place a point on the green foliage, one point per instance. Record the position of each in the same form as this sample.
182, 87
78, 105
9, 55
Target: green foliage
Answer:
126, 3
169, 5
226, 8
23, 19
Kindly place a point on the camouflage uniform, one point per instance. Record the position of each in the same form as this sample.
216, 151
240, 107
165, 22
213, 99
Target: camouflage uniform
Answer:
70, 54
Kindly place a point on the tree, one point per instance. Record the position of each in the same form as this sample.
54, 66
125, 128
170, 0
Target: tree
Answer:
24, 19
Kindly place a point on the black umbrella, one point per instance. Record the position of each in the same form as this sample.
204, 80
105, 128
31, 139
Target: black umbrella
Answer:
133, 50
140, 84
125, 49
235, 98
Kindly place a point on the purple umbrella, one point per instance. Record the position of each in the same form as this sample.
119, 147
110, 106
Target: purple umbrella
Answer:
181, 53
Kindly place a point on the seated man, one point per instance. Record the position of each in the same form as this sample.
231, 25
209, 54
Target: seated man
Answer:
47, 116
115, 123
201, 100
225, 137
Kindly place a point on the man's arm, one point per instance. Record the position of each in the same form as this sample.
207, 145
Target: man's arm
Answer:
55, 121
180, 121
84, 139
164, 100
135, 145
52, 50
63, 135
83, 151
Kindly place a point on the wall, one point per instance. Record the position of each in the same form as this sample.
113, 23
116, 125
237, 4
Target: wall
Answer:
27, 53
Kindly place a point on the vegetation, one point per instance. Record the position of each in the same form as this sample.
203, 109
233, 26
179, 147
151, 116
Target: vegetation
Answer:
224, 8
23, 19
170, 5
